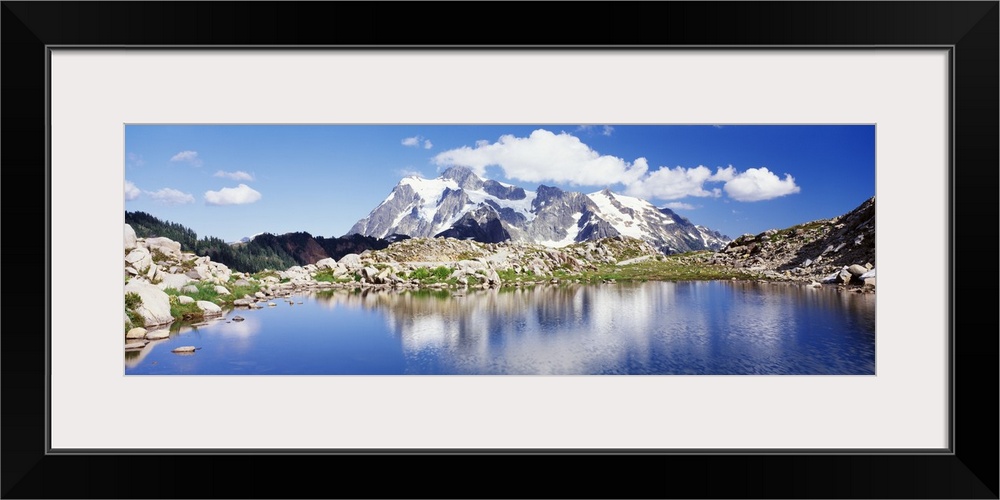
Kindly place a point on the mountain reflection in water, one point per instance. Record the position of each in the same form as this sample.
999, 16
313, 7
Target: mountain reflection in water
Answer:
643, 328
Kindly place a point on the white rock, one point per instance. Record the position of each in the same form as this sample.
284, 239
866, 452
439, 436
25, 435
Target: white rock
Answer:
175, 281
327, 263
136, 333
351, 261
135, 345
139, 258
130, 241
155, 308
210, 308
166, 246
189, 289
221, 290
158, 335
184, 299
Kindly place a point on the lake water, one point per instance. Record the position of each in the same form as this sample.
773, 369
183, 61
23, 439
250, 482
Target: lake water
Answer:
708, 327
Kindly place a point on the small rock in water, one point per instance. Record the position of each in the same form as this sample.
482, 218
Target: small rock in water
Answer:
238, 318
136, 333
186, 348
158, 335
271, 304
135, 345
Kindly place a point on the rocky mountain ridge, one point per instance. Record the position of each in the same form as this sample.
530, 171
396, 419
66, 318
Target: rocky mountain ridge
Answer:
836, 250
459, 204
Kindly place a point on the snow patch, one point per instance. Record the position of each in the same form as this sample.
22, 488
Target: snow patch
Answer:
571, 233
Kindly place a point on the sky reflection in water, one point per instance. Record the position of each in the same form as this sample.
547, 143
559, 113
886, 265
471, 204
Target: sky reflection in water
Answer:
647, 328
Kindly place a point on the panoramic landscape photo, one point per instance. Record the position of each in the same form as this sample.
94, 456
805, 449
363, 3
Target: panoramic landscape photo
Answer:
540, 249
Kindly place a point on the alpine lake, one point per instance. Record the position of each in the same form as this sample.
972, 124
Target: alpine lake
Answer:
635, 328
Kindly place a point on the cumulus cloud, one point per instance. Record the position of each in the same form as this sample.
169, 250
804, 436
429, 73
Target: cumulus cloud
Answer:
412, 141
238, 175
673, 183
607, 130
754, 184
170, 196
428, 144
757, 184
187, 157
545, 156
131, 192
239, 195
676, 205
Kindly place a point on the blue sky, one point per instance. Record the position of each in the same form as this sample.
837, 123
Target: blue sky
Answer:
232, 181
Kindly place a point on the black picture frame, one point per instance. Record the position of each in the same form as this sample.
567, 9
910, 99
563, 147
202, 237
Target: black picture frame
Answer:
969, 28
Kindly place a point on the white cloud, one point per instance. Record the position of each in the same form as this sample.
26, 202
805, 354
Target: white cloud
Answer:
607, 130
412, 141
187, 157
131, 192
545, 156
428, 144
408, 172
673, 183
171, 196
757, 184
135, 160
238, 175
676, 205
239, 195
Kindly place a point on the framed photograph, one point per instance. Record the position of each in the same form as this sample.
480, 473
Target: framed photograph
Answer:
436, 252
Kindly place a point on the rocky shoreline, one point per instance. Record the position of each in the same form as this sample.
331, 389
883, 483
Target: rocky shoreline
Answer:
164, 284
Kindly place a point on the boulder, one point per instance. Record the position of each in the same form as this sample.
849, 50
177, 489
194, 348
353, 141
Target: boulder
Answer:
209, 308
175, 281
221, 290
184, 299
857, 270
351, 261
241, 282
130, 239
135, 345
166, 246
155, 307
136, 333
327, 263
244, 302
139, 258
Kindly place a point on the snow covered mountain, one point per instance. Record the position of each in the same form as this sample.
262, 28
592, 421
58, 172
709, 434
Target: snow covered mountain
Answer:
460, 204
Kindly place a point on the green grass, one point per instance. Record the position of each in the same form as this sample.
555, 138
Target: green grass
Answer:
133, 301
206, 291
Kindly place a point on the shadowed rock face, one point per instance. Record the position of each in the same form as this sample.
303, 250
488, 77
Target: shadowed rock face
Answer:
441, 207
482, 225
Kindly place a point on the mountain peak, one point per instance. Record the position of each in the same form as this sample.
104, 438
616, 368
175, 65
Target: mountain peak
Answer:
464, 176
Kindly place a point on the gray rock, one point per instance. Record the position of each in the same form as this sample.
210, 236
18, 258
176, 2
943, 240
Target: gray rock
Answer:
155, 308
136, 333
244, 302
241, 282
351, 261
186, 348
131, 346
